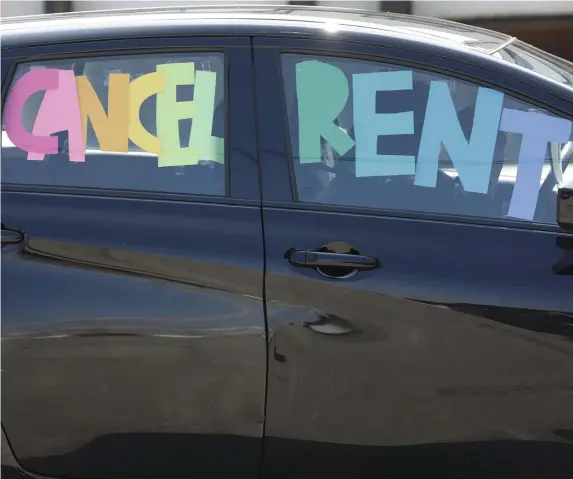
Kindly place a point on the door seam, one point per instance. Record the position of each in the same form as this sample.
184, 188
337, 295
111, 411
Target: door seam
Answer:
264, 292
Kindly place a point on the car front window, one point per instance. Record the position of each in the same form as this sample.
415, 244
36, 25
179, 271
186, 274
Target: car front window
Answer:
415, 141
542, 63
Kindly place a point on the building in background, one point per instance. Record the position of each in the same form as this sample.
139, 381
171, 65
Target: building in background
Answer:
546, 24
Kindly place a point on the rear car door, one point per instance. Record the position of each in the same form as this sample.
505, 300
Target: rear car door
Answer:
418, 290
133, 331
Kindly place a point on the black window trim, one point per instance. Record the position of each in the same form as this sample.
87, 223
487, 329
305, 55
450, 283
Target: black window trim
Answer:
296, 204
417, 216
113, 192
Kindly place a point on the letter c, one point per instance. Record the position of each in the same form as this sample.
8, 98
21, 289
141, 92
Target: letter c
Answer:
139, 90
26, 86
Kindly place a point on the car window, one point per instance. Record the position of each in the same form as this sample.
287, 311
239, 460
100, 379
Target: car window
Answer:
133, 122
376, 135
541, 62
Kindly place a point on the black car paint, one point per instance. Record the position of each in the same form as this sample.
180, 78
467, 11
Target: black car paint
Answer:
133, 324
454, 357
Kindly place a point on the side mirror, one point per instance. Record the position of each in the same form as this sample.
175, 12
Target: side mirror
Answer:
565, 208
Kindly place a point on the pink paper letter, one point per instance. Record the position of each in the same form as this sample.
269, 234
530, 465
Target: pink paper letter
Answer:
60, 111
29, 84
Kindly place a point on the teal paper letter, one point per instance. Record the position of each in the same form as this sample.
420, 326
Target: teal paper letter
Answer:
322, 92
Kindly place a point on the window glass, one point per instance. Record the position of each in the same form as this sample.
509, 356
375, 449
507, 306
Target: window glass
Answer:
137, 122
383, 136
546, 64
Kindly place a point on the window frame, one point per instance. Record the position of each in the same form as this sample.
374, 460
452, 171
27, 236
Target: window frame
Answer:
184, 45
451, 67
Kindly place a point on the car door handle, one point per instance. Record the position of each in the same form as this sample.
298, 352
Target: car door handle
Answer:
11, 236
317, 259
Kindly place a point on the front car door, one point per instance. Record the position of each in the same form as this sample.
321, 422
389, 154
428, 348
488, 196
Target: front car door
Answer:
419, 293
133, 332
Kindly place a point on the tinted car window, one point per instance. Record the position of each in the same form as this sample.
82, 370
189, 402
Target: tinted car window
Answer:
172, 141
543, 63
377, 135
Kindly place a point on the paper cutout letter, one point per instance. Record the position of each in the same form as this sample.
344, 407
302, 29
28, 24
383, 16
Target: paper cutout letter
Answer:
139, 90
60, 110
207, 146
169, 111
111, 129
322, 91
537, 130
473, 160
27, 85
368, 125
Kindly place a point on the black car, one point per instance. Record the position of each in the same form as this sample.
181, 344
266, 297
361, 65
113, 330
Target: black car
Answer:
284, 242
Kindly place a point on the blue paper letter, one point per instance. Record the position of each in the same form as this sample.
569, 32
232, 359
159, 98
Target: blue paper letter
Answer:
536, 129
472, 160
368, 125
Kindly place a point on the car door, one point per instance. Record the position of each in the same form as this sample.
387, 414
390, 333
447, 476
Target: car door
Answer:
418, 299
133, 330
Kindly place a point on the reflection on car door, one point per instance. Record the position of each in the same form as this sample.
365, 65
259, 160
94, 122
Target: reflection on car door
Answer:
133, 332
419, 345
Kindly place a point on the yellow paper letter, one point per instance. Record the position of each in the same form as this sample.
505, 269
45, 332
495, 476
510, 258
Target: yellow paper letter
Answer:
139, 90
111, 129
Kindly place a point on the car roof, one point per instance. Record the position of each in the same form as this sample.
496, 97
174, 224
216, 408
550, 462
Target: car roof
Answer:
457, 41
65, 27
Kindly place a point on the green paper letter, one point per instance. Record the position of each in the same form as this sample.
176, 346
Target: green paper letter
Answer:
322, 91
169, 111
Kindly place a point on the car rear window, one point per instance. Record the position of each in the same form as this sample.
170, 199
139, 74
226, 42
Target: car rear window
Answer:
133, 122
